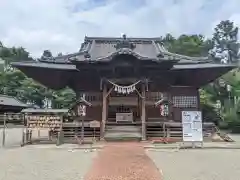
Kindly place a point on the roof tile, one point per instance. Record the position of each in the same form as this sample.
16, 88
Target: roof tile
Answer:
11, 101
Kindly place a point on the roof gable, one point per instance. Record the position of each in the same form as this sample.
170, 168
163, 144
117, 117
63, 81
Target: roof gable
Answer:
102, 48
97, 49
11, 101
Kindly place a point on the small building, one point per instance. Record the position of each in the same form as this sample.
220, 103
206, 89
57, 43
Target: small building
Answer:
10, 104
12, 107
124, 77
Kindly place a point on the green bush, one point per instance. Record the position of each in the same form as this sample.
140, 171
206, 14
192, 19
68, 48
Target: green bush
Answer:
232, 119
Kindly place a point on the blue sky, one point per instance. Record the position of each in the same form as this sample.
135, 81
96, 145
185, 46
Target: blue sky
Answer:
60, 25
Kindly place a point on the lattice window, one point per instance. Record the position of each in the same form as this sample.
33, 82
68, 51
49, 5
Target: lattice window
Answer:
154, 96
185, 101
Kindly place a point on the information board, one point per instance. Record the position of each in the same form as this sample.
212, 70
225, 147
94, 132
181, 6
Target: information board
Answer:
192, 126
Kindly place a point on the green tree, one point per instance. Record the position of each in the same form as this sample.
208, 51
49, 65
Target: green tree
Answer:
14, 55
193, 45
225, 41
63, 98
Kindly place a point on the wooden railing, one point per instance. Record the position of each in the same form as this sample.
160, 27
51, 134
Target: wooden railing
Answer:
71, 131
11, 119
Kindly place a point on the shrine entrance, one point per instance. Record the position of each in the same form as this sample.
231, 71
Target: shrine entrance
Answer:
124, 103
123, 114
124, 109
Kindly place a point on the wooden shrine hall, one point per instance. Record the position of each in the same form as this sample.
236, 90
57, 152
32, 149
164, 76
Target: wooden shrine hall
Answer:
133, 84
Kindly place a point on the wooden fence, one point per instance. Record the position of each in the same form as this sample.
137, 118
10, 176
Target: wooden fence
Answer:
46, 128
9, 121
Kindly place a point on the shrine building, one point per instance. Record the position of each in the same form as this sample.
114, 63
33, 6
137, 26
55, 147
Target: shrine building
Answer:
133, 82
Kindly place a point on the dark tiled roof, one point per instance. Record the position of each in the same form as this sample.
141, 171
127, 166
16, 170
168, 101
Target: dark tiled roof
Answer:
105, 48
80, 101
48, 65
11, 101
202, 66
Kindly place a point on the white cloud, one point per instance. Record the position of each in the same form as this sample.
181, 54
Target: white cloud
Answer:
60, 25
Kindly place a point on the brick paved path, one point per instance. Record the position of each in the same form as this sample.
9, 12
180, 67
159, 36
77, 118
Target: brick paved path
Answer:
123, 161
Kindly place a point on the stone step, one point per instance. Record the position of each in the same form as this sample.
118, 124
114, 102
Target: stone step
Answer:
123, 133
123, 136
122, 139
123, 129
123, 123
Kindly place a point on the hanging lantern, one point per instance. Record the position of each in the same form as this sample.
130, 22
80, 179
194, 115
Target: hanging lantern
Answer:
81, 110
221, 82
229, 88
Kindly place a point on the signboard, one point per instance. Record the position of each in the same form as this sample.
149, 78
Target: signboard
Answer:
127, 117
39, 122
192, 126
94, 124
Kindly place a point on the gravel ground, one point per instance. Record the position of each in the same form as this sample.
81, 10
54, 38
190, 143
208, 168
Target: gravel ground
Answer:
41, 161
198, 164
14, 136
37, 163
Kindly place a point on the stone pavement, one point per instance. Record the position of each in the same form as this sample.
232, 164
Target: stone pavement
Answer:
123, 161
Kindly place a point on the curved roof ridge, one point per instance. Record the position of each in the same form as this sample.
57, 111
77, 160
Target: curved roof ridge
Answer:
120, 38
125, 51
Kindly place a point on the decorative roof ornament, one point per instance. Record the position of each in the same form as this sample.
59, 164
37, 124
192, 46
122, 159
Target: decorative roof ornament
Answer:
87, 55
160, 55
124, 43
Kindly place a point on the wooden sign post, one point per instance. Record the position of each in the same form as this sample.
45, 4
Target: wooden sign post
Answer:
80, 109
94, 124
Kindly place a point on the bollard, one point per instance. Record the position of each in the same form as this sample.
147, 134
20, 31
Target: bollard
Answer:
23, 137
39, 133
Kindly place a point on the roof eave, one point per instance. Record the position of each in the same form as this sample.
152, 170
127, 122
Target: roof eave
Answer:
46, 65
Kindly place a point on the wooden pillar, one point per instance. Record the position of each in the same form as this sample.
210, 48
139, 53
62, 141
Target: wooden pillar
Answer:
4, 130
82, 128
170, 105
198, 100
60, 132
104, 110
143, 112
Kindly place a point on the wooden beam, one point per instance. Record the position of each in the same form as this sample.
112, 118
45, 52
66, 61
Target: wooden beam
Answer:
108, 92
198, 99
104, 111
143, 114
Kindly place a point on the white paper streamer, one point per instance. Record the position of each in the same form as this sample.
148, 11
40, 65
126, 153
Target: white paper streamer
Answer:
124, 89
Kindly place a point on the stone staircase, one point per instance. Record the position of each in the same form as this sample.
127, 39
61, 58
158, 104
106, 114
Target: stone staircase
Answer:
122, 132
